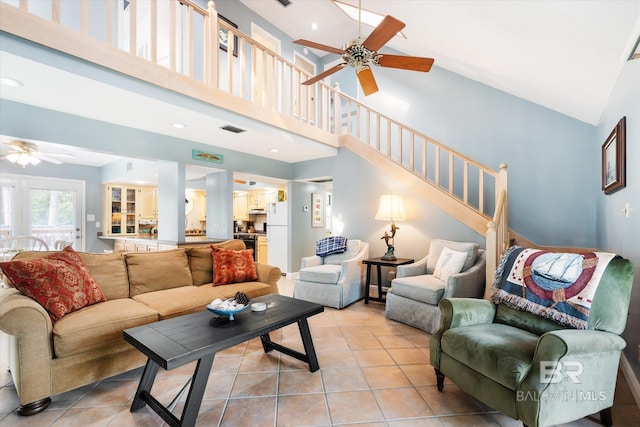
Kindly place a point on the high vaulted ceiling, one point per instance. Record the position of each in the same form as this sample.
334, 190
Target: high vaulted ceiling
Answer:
564, 55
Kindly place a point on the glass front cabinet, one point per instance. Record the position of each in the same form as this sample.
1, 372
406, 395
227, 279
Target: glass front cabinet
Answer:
121, 214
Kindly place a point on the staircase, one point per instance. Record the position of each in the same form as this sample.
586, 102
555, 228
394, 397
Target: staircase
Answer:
240, 74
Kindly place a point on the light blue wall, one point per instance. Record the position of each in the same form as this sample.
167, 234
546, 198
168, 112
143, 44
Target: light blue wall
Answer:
616, 233
303, 236
553, 175
357, 188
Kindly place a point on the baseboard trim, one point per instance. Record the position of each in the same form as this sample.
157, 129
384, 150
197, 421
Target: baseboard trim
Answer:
630, 376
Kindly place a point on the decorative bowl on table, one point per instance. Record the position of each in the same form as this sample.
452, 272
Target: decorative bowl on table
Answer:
227, 309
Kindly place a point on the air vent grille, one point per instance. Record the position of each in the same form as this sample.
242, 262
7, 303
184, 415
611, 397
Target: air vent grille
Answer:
233, 129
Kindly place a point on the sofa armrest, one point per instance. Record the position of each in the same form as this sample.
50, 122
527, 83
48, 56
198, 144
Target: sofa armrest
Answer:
415, 269
30, 326
469, 283
568, 364
352, 270
270, 275
457, 312
310, 261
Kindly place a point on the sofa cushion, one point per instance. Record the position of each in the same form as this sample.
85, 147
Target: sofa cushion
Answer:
98, 326
59, 282
109, 272
201, 260
252, 289
426, 288
325, 273
178, 301
436, 246
231, 266
175, 302
353, 247
487, 346
155, 271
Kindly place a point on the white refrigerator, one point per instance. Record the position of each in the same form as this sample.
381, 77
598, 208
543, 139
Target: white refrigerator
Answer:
277, 235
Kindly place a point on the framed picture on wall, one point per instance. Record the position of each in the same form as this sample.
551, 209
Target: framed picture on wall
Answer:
614, 159
223, 36
317, 210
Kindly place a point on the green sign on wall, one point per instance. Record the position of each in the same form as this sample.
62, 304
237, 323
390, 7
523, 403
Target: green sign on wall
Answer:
207, 157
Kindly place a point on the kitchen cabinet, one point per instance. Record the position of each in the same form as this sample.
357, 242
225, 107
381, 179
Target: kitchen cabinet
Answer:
257, 200
148, 203
120, 203
263, 249
240, 207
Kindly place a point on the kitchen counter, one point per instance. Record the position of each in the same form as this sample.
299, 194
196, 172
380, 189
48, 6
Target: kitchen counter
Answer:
146, 243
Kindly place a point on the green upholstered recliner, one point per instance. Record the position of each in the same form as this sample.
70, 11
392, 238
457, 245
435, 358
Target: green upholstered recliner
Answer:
531, 368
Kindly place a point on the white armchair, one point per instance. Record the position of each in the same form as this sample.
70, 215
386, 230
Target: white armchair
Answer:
334, 280
418, 288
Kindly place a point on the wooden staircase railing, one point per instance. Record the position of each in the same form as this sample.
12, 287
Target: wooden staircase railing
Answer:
209, 59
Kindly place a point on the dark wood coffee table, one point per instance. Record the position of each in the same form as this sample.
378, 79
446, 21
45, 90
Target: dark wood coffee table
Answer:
199, 336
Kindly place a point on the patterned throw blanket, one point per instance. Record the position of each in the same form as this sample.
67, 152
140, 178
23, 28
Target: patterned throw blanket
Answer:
557, 286
331, 245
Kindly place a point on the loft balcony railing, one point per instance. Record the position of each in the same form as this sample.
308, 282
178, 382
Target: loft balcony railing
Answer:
206, 57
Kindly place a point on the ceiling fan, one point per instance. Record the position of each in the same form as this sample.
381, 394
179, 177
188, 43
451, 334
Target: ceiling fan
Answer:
362, 55
25, 153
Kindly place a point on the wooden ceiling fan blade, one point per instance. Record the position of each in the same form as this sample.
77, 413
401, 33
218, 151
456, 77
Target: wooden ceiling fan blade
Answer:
367, 81
319, 46
384, 32
414, 63
324, 74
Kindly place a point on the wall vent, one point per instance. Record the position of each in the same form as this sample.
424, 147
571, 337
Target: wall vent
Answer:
233, 129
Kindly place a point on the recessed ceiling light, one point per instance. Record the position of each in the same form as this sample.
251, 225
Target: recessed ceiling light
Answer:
8, 81
314, 26
179, 125
274, 150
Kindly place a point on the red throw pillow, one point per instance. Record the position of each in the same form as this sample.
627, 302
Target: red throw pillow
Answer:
232, 266
59, 282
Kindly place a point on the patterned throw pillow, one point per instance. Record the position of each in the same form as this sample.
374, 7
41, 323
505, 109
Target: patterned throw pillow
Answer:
59, 282
233, 266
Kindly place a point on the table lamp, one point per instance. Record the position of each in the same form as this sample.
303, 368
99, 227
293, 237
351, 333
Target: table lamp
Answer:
391, 209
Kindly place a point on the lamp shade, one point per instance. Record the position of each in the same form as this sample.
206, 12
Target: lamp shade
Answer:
391, 208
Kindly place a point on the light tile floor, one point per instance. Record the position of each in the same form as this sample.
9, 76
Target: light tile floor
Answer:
374, 372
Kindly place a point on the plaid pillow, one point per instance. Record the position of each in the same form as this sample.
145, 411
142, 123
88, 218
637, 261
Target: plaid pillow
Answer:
331, 245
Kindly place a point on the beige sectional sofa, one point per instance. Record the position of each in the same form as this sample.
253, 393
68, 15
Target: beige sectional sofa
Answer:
87, 345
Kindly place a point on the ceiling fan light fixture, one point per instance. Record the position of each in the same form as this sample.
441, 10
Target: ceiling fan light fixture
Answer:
23, 159
358, 56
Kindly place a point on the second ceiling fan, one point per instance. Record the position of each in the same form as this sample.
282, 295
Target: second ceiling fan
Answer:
361, 55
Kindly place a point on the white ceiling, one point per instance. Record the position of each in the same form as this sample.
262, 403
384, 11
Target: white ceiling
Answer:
564, 55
